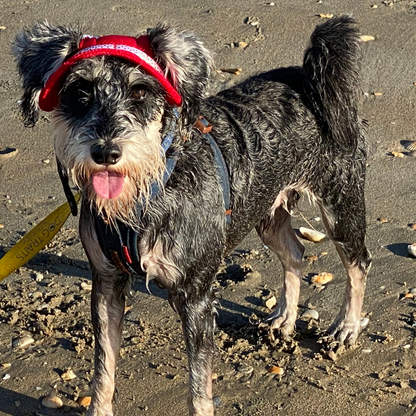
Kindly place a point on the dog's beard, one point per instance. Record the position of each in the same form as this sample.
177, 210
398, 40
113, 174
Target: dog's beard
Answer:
142, 164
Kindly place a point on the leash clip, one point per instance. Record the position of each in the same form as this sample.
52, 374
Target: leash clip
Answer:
203, 125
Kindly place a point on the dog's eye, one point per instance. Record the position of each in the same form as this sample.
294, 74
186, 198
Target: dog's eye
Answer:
138, 93
84, 97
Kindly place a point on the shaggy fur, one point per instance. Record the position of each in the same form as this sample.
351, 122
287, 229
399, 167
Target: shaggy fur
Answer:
282, 133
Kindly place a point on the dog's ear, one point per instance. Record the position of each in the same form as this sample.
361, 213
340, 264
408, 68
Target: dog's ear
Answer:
38, 52
187, 64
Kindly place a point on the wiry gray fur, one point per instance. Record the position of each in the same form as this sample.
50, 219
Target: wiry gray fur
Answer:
282, 133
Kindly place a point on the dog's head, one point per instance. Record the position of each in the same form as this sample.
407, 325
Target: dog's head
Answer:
111, 110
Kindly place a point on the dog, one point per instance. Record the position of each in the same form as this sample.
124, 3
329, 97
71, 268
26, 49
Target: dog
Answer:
172, 181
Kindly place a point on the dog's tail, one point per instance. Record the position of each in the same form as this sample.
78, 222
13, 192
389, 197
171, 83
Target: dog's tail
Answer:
331, 82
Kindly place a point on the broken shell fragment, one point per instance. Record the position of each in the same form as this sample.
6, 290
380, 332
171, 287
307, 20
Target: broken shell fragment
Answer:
271, 302
68, 375
364, 322
312, 235
322, 278
52, 402
411, 248
22, 342
276, 370
84, 401
310, 314
86, 286
245, 368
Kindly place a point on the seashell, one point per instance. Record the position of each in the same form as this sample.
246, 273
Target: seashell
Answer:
367, 38
383, 220
409, 296
68, 375
8, 153
276, 370
52, 402
413, 291
412, 226
271, 302
410, 145
396, 154
22, 342
311, 314
322, 278
411, 248
86, 286
245, 369
84, 401
5, 365
325, 15
366, 350
364, 322
312, 235
6, 376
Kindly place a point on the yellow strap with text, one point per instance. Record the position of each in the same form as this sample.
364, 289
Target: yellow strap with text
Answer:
35, 240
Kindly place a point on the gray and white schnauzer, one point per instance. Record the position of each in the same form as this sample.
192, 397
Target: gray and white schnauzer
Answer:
172, 181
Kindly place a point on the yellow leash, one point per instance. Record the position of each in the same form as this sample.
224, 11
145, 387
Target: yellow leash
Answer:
35, 240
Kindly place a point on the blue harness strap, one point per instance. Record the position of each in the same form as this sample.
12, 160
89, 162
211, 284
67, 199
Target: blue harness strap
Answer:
222, 170
119, 242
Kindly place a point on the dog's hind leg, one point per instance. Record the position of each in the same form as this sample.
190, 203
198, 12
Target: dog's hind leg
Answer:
346, 227
197, 311
277, 233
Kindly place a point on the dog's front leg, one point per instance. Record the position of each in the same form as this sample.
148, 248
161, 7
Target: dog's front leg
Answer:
107, 307
197, 315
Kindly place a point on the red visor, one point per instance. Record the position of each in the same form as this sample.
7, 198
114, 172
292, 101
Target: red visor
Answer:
136, 50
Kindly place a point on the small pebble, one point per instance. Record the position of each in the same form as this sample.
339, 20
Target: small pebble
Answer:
364, 322
46, 161
216, 401
52, 402
39, 277
311, 314
6, 376
2, 27
366, 350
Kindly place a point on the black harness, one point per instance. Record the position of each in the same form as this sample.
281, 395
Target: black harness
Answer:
119, 242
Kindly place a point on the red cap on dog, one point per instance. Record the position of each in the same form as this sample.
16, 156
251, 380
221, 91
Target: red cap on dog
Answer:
136, 50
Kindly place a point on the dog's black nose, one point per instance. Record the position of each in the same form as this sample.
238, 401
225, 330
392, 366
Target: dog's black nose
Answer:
106, 154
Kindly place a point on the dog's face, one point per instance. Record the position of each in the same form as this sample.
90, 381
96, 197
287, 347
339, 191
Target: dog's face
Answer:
112, 115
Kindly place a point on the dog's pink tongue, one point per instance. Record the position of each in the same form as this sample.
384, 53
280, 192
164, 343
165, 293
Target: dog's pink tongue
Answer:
107, 184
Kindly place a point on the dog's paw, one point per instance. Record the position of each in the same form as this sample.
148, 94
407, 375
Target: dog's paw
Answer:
280, 322
341, 335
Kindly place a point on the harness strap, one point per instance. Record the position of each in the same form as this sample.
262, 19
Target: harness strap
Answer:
119, 243
222, 170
